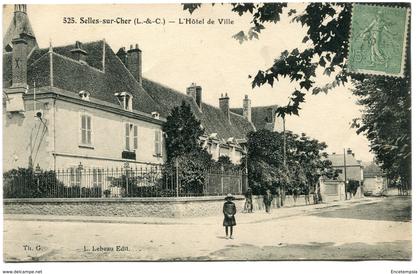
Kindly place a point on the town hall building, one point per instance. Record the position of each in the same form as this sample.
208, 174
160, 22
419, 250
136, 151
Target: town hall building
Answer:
84, 104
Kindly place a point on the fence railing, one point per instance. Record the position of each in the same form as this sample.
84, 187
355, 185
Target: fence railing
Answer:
148, 181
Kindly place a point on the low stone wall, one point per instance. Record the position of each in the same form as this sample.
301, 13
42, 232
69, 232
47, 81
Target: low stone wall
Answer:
130, 207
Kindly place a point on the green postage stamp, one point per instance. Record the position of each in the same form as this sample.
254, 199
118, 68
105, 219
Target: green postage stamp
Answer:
378, 40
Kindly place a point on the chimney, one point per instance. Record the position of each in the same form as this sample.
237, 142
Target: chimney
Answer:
19, 26
122, 54
247, 108
224, 105
19, 63
20, 8
134, 62
350, 152
79, 53
195, 92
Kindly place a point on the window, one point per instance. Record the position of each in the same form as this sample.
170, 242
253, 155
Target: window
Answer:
125, 100
86, 129
158, 143
131, 137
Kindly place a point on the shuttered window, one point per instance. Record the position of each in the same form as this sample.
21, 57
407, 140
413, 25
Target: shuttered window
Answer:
131, 137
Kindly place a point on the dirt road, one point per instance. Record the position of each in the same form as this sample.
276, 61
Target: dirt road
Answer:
380, 229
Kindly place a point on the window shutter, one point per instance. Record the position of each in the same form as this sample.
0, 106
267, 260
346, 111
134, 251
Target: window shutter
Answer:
127, 136
135, 138
156, 142
83, 129
160, 142
88, 130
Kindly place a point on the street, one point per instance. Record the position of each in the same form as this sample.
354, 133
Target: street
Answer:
370, 228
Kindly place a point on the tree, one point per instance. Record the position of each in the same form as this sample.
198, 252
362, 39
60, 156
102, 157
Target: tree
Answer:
186, 158
306, 161
182, 131
325, 49
386, 122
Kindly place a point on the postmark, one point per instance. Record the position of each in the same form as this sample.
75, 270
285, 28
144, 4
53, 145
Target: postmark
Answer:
378, 40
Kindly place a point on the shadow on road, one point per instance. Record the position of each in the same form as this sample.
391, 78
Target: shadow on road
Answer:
398, 250
387, 209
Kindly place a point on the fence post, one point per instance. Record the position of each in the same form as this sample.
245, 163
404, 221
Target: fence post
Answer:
126, 166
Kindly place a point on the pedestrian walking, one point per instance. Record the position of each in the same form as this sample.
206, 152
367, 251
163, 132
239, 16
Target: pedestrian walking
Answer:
295, 195
267, 200
248, 201
229, 211
307, 190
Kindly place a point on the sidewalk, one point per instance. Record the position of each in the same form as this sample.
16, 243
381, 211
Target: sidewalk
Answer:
244, 218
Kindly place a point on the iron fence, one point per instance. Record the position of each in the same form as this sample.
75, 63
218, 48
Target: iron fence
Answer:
148, 181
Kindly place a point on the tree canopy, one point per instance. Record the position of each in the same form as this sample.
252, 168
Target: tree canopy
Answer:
182, 131
325, 49
306, 161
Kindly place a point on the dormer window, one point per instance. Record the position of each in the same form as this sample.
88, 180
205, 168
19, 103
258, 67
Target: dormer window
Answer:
155, 114
84, 95
126, 100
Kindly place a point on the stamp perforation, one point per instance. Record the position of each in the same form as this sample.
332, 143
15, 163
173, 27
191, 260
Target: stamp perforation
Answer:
406, 41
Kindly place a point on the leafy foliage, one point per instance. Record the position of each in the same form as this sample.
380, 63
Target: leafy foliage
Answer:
386, 119
192, 171
352, 186
182, 131
386, 122
305, 161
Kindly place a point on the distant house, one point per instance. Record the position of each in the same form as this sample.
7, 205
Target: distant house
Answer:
84, 105
375, 182
353, 169
349, 168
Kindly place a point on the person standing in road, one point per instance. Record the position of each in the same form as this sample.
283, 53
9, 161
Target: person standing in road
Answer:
229, 211
267, 200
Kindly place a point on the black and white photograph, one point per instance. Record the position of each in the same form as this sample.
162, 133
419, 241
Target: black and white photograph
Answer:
200, 132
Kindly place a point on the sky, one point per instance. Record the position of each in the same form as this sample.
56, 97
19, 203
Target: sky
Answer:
178, 54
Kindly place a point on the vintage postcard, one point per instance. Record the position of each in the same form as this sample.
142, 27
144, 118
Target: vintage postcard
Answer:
206, 132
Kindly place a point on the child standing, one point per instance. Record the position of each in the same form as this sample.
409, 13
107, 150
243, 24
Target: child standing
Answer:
229, 211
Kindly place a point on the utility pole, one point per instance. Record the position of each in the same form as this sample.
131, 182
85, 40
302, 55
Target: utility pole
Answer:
282, 194
345, 175
284, 141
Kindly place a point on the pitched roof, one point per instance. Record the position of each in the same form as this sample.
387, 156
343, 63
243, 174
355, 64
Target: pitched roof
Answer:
338, 160
71, 75
212, 118
74, 76
372, 170
259, 116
